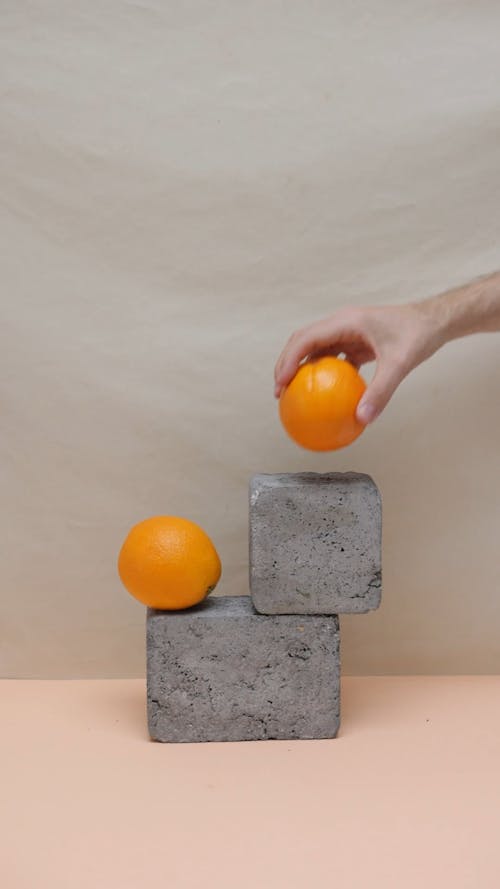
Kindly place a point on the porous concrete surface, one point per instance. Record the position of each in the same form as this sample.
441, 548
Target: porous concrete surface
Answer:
315, 543
223, 672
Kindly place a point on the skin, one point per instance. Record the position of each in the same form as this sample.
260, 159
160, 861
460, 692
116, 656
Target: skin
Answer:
398, 338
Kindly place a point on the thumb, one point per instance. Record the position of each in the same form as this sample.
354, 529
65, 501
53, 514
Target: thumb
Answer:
379, 392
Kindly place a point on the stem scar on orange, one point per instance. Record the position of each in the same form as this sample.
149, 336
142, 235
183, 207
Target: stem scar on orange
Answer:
168, 563
318, 407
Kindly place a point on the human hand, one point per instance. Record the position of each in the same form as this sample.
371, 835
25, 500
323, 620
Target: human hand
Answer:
398, 338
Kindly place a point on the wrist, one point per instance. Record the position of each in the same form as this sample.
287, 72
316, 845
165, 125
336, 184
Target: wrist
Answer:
474, 308
434, 323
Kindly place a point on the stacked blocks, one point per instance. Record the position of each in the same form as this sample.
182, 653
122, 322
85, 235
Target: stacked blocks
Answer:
268, 666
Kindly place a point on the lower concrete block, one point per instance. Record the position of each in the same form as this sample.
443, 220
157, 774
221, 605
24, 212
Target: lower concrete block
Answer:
223, 672
315, 543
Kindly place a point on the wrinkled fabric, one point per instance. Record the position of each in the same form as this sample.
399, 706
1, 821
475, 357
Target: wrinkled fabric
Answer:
183, 185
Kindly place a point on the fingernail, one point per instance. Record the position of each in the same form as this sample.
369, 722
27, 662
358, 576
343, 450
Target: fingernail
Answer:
366, 412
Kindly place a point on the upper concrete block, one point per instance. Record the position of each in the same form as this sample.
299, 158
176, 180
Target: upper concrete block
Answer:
315, 543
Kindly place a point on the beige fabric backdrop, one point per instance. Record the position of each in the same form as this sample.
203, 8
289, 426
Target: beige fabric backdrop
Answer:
183, 183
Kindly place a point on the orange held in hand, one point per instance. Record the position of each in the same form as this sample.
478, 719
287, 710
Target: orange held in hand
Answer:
318, 407
168, 563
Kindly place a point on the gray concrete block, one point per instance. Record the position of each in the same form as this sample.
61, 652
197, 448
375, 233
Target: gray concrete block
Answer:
315, 543
223, 672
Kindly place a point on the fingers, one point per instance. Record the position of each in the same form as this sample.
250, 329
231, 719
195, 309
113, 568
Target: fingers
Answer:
298, 347
387, 378
318, 338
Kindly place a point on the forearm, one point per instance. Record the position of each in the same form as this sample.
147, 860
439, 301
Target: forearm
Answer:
474, 308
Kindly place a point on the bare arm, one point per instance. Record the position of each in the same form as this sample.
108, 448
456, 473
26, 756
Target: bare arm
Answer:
474, 308
398, 338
